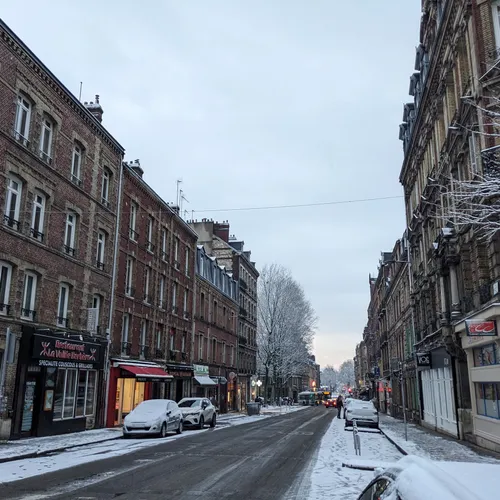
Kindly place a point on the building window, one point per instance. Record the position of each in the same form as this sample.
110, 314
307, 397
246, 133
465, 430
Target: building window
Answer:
486, 355
176, 253
37, 217
29, 294
143, 338
223, 353
496, 24
161, 303
174, 298
62, 308
158, 341
187, 262
125, 335
185, 309
133, 235
172, 339
106, 177
149, 244
164, 254
129, 277
46, 140
202, 305
183, 344
96, 306
232, 355
75, 393
214, 313
76, 165
69, 236
5, 280
23, 116
101, 248
13, 202
147, 278
214, 350
200, 347
488, 399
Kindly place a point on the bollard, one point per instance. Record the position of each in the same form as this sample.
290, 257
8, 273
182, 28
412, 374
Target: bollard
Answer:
357, 441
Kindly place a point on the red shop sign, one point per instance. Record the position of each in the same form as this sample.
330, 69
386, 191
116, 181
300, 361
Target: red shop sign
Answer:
481, 328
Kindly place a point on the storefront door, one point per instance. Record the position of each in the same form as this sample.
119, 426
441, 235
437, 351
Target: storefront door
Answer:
129, 393
30, 410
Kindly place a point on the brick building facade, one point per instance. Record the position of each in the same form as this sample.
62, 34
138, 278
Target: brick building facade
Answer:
151, 345
59, 172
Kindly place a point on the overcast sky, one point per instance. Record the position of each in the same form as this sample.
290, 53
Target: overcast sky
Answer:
256, 103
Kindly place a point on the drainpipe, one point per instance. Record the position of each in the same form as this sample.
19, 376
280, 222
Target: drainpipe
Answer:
113, 292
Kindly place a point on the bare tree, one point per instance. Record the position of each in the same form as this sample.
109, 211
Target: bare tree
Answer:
346, 373
285, 327
329, 376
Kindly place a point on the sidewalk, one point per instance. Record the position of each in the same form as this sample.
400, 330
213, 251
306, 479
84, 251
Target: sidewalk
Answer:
35, 447
432, 445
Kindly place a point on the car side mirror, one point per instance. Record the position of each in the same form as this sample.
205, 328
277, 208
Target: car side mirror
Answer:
169, 413
204, 406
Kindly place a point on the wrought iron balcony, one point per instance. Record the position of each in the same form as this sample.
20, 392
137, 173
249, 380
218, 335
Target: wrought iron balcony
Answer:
147, 298
75, 180
159, 353
172, 355
183, 356
130, 291
28, 314
105, 202
164, 256
126, 348
150, 247
100, 265
5, 309
132, 234
186, 315
21, 139
143, 351
175, 310
69, 250
62, 321
177, 264
36, 234
11, 222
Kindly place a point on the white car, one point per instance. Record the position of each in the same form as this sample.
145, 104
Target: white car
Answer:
154, 416
196, 412
364, 412
414, 478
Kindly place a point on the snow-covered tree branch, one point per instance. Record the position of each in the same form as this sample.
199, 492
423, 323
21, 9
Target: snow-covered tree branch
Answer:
285, 328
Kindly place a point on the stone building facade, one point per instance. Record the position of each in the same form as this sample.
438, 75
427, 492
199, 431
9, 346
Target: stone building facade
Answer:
59, 171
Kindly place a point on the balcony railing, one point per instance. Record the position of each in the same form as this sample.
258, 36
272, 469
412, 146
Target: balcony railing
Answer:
183, 356
186, 315
126, 348
5, 309
133, 234
143, 351
172, 355
175, 310
130, 291
21, 139
105, 202
69, 250
243, 312
36, 234
147, 298
100, 265
243, 284
159, 353
164, 256
11, 222
28, 314
75, 180
150, 247
177, 264
62, 321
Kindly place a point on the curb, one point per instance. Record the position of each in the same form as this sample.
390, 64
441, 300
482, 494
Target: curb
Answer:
36, 454
399, 448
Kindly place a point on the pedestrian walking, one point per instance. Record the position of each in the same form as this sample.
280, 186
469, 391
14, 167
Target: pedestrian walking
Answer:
340, 405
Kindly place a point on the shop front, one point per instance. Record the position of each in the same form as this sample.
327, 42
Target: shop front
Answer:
205, 386
60, 375
479, 337
438, 398
131, 383
179, 386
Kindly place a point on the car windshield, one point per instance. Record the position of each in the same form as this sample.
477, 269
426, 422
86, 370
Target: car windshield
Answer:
151, 406
189, 403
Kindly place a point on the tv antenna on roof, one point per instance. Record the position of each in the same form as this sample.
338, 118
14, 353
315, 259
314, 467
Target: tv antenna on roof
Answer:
179, 182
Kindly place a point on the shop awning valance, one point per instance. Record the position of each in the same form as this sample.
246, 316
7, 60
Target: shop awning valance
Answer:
203, 380
147, 372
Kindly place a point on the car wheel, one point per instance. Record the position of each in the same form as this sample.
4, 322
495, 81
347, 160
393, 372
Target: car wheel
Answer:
179, 429
126, 436
163, 430
213, 423
202, 422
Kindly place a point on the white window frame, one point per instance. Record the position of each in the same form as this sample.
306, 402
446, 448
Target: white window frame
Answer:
176, 251
185, 304
223, 352
495, 12
183, 342
161, 303
76, 164
17, 192
101, 249
39, 202
174, 295
106, 178
23, 105
96, 304
164, 255
186, 267
125, 327
147, 279
158, 339
62, 305
172, 340
149, 243
133, 221
5, 287
144, 333
46, 136
200, 347
129, 275
69, 234
28, 303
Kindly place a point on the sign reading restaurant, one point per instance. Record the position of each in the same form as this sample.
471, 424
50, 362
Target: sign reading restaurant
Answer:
481, 328
64, 353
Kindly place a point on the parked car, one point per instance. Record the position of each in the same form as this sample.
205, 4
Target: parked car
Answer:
414, 478
197, 412
364, 412
153, 417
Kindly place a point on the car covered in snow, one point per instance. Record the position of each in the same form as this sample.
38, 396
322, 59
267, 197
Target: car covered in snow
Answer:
363, 412
153, 417
415, 478
197, 412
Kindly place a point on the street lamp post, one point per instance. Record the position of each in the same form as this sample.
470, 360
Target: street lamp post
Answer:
259, 383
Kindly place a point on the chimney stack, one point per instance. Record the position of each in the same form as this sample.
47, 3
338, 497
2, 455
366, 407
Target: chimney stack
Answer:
95, 108
136, 167
221, 229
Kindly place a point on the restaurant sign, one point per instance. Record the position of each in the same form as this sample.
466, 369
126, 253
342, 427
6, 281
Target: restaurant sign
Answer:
66, 353
481, 328
200, 370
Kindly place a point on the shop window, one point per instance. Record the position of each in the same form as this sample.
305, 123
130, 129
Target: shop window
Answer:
487, 399
486, 355
74, 393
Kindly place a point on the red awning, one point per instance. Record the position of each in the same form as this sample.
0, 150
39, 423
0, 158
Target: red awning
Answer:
149, 372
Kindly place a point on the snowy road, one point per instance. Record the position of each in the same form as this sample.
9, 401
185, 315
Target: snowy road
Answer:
295, 456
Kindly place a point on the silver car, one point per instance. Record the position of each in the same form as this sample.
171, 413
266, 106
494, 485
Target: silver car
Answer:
196, 412
364, 412
153, 417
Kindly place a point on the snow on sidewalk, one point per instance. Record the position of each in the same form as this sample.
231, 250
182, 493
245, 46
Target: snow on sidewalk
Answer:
428, 444
11, 450
325, 476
